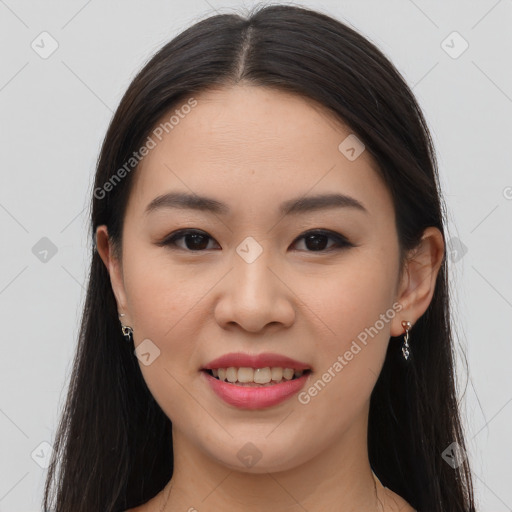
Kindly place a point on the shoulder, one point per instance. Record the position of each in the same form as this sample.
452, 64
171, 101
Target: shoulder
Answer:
396, 502
150, 506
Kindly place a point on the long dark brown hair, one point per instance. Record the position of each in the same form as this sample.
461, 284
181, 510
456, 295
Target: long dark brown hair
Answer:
113, 446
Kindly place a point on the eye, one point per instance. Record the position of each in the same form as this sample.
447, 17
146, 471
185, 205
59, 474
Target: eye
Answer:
317, 240
197, 241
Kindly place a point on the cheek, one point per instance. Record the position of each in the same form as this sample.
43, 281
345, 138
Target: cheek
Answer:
165, 303
161, 303
354, 297
356, 303
159, 294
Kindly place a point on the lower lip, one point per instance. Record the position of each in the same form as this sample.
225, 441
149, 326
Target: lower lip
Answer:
246, 397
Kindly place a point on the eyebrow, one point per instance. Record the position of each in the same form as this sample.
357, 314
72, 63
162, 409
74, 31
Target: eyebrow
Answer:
185, 201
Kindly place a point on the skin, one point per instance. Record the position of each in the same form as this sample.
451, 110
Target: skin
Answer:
252, 148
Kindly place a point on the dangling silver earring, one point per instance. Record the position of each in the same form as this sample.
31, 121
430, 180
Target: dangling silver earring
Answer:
127, 330
405, 347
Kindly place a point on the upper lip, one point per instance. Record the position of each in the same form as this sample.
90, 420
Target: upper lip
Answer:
240, 359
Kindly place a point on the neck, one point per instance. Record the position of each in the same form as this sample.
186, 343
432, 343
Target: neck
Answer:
337, 478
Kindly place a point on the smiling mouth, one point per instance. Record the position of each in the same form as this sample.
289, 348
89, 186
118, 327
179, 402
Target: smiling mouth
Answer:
256, 377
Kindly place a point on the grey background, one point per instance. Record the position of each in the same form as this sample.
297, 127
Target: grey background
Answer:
54, 113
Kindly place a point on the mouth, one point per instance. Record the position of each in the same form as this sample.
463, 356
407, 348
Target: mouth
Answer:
256, 377
255, 388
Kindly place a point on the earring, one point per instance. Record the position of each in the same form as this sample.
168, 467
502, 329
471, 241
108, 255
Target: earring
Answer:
127, 332
126, 329
405, 347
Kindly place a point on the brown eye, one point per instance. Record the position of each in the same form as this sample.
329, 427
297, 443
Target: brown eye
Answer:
316, 241
194, 240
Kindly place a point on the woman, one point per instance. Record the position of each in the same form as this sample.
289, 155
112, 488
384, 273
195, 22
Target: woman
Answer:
267, 323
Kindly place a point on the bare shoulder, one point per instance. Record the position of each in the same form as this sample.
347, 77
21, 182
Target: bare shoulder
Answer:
153, 505
149, 506
396, 502
140, 508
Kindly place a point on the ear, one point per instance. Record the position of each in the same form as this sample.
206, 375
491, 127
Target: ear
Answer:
105, 250
418, 280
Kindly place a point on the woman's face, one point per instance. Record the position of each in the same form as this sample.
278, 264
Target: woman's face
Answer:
253, 281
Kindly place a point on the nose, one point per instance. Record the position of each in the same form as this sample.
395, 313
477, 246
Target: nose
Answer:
255, 295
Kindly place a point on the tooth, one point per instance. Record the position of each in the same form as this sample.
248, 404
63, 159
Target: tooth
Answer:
231, 374
262, 375
288, 373
245, 374
277, 373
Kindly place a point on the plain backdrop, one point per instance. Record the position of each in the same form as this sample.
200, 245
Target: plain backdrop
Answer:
64, 67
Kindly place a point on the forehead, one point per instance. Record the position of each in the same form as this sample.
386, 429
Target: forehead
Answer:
249, 146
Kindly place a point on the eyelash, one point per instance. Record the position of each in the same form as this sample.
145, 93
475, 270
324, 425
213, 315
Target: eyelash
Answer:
341, 241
